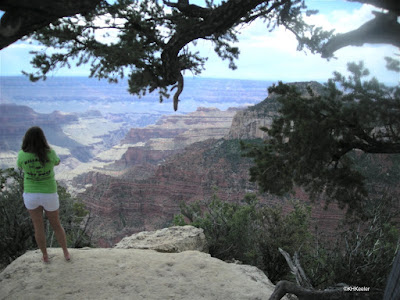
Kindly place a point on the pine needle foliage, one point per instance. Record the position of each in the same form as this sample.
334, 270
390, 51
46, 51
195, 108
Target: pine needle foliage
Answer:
153, 43
316, 138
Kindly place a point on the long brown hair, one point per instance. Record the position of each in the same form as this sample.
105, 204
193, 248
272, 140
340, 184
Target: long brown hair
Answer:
35, 142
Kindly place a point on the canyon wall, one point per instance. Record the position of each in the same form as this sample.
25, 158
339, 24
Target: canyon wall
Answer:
247, 123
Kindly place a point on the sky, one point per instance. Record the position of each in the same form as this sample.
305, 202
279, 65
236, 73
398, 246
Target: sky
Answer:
264, 55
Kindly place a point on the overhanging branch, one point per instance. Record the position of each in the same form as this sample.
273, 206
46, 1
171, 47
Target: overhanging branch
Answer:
383, 29
23, 17
218, 20
391, 5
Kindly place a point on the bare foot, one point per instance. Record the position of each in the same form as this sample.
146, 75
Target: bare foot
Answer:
67, 256
45, 259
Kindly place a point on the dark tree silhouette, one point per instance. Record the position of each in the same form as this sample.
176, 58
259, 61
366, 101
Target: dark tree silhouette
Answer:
153, 36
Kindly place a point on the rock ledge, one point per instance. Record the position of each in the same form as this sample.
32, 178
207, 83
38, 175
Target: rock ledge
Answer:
114, 273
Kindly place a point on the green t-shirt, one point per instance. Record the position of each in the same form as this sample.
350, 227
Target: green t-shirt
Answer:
38, 178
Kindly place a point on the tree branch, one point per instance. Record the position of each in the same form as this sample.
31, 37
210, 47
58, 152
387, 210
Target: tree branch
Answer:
218, 20
23, 17
296, 269
286, 287
383, 29
378, 147
391, 5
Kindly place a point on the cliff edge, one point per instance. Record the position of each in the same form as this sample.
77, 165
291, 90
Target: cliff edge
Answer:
117, 273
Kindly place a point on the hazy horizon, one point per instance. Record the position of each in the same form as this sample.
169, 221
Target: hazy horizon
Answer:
79, 93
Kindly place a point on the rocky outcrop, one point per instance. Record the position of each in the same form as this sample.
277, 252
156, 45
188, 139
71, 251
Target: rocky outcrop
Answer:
131, 274
139, 156
170, 240
247, 123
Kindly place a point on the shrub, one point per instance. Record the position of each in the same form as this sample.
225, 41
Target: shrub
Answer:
360, 255
250, 232
364, 253
16, 231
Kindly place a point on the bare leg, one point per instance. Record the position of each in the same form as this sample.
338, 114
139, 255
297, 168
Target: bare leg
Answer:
38, 225
58, 231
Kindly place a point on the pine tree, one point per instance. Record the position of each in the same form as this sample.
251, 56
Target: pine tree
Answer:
317, 138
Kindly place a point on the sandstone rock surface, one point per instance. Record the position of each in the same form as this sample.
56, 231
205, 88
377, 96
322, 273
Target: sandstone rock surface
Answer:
131, 274
173, 239
115, 273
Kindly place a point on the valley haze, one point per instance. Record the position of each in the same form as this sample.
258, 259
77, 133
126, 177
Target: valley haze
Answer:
85, 119
79, 94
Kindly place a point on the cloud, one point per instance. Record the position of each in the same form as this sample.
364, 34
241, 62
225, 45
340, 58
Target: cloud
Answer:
23, 45
342, 20
108, 35
273, 56
15, 58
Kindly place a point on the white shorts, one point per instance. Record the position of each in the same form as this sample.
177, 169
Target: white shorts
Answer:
48, 201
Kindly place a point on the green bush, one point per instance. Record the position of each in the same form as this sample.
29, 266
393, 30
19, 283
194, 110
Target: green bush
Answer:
249, 232
364, 253
16, 231
360, 255
290, 232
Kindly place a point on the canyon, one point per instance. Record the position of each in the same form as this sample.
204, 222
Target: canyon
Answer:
133, 172
152, 185
110, 143
142, 149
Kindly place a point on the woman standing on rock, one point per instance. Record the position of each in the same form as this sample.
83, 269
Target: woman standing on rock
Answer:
37, 160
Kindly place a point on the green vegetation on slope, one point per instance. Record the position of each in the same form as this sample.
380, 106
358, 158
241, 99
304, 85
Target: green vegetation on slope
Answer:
361, 255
